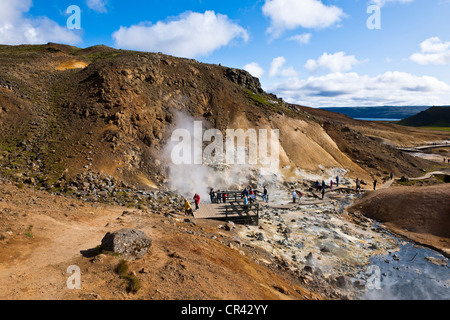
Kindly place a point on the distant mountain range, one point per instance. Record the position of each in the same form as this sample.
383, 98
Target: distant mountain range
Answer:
433, 117
384, 112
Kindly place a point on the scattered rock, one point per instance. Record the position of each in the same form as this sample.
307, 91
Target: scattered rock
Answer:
143, 270
131, 244
229, 226
91, 296
325, 249
98, 259
342, 282
359, 284
309, 257
308, 269
259, 236
281, 289
437, 261
190, 221
175, 255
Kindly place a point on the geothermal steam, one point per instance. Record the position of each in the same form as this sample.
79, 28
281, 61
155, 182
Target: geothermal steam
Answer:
188, 178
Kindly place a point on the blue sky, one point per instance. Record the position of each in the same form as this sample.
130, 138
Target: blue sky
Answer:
318, 53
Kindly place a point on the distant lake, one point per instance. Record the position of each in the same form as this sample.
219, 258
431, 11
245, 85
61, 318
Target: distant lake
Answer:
377, 119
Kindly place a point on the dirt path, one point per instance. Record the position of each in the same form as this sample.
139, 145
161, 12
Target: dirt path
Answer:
430, 174
424, 147
35, 261
389, 183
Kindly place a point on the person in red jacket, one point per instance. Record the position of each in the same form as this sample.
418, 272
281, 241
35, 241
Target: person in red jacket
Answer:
196, 200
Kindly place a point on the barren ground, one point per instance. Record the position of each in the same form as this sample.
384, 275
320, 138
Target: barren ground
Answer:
419, 213
42, 235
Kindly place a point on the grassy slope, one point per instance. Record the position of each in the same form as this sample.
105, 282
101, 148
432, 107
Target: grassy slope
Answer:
435, 117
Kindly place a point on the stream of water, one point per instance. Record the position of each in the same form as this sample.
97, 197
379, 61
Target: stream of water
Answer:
414, 272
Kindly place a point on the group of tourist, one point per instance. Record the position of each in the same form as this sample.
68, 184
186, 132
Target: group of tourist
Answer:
323, 186
187, 205
296, 194
218, 197
248, 195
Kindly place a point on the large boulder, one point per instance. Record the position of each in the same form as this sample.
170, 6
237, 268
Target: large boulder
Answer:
129, 243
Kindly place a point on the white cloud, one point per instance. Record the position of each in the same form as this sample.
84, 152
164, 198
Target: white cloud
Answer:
292, 14
433, 51
97, 5
189, 35
382, 3
336, 62
288, 72
254, 69
277, 63
277, 70
303, 38
351, 89
16, 27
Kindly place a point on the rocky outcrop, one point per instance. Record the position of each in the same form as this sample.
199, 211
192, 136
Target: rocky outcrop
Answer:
244, 79
129, 243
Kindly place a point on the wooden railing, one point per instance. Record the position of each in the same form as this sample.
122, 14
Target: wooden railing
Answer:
236, 195
243, 211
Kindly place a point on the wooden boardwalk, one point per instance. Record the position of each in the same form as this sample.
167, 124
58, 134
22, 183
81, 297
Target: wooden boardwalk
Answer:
421, 148
291, 205
233, 210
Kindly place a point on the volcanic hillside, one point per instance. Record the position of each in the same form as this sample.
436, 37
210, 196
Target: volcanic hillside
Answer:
433, 117
66, 112
419, 213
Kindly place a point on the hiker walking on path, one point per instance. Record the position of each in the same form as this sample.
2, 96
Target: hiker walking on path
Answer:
196, 200
323, 193
187, 208
392, 176
317, 185
212, 195
294, 196
245, 203
375, 184
224, 197
245, 192
337, 182
265, 195
358, 185
219, 196
331, 184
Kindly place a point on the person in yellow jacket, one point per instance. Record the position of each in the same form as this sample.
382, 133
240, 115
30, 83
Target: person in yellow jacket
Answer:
187, 208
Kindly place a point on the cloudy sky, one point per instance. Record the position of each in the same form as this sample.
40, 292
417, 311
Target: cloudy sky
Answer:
318, 53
